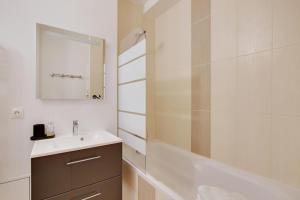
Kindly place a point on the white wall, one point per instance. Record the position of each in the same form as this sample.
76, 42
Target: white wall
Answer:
18, 73
8, 190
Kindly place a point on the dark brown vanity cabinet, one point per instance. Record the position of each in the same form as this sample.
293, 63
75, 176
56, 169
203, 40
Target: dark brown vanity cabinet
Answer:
93, 173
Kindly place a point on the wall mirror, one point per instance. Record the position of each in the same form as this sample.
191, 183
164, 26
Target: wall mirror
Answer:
70, 65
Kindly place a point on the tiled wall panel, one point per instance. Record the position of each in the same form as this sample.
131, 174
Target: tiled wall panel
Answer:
255, 77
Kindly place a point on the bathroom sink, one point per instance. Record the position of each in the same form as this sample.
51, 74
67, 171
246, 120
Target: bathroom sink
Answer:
73, 143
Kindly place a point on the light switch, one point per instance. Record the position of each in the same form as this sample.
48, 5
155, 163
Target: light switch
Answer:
17, 113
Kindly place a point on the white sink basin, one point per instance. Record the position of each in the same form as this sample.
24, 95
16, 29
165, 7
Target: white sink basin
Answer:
72, 143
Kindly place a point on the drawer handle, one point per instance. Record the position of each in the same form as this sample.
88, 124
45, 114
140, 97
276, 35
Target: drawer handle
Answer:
90, 197
83, 160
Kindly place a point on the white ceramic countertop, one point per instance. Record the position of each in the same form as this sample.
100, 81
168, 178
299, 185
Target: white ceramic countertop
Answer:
72, 143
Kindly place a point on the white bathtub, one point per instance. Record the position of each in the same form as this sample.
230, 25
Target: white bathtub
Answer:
184, 172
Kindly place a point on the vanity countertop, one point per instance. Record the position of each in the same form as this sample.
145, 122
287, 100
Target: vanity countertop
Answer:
69, 143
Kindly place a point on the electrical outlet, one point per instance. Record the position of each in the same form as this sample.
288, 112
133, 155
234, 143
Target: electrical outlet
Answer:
17, 113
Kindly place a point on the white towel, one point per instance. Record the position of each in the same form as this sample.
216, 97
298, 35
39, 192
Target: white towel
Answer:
215, 193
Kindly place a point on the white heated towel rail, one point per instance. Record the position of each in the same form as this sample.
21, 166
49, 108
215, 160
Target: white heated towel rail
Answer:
132, 97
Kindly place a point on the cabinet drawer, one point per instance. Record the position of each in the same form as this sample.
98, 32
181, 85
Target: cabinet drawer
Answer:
96, 164
106, 190
50, 176
57, 174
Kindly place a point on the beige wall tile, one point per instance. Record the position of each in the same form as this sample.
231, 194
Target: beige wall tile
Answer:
253, 144
145, 190
201, 42
255, 86
172, 36
129, 183
174, 129
173, 101
286, 81
254, 26
201, 87
172, 76
286, 22
200, 9
201, 132
223, 136
254, 83
224, 85
167, 73
223, 29
130, 17
285, 149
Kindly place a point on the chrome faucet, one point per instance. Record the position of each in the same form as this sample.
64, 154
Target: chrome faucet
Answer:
75, 127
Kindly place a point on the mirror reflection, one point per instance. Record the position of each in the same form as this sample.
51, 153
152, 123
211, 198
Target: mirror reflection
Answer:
70, 65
